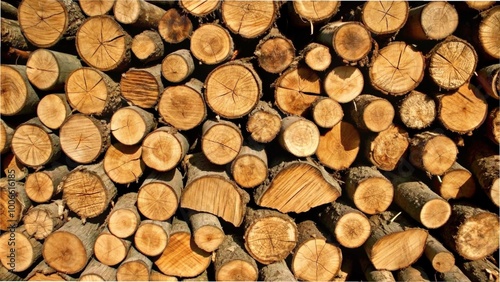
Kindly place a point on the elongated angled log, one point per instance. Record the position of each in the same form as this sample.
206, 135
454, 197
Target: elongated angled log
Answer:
96, 7
152, 237
124, 219
208, 181
158, 276
370, 191
489, 78
183, 106
45, 22
398, 69
326, 112
6, 133
480, 270
8, 275
40, 221
96, 271
206, 229
383, 18
493, 125
372, 113
138, 13
142, 87
296, 90
471, 231
52, 110
299, 136
199, 8
249, 168
441, 259
160, 194
270, 236
389, 236
455, 183
182, 257
275, 52
18, 96
276, 271
417, 110
43, 272
177, 66
131, 124
113, 54
432, 152
13, 167
34, 144
148, 46
211, 44
373, 274
263, 123
316, 56
135, 267
488, 38
313, 246
221, 141
69, 249
232, 263
8, 11
164, 148
454, 275
306, 13
249, 20
13, 203
297, 186
12, 34
423, 21
412, 273
175, 27
92, 92
350, 226
87, 190
123, 164
386, 148
339, 146
18, 250
343, 83
109, 249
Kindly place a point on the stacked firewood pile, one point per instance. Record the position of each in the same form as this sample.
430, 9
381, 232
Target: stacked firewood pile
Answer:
247, 140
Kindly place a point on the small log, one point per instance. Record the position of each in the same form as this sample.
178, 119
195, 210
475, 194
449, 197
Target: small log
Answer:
18, 250
339, 146
382, 18
113, 54
308, 13
124, 219
275, 52
327, 112
183, 106
138, 13
221, 141
135, 267
182, 257
208, 181
488, 38
373, 274
12, 213
6, 133
164, 148
297, 186
350, 226
296, 90
276, 271
18, 96
344, 83
423, 20
199, 8
312, 246
158, 276
412, 273
372, 113
131, 124
70, 248
109, 249
8, 11
441, 259
250, 20
151, 237
489, 78
211, 44
481, 270
232, 263
299, 136
96, 7
12, 166
11, 33
493, 125
175, 27
370, 191
147, 46
454, 275
43, 272
263, 123
455, 183
177, 66
270, 236
87, 190
316, 56
432, 152
41, 220
123, 164
96, 271
207, 230
160, 194
387, 148
417, 110
52, 110
142, 87
249, 168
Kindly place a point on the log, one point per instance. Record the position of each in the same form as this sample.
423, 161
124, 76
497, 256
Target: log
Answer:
296, 90
135, 267
206, 230
373, 274
124, 219
160, 194
250, 20
275, 52
18, 250
182, 257
151, 237
34, 144
71, 256
11, 165
164, 148
488, 38
270, 236
123, 164
183, 106
493, 125
412, 273
175, 27
382, 18
221, 141
96, 271
208, 181
489, 79
306, 13
202, 277
6, 133
454, 275
52, 110
142, 87
249, 168
158, 276
372, 113
339, 146
92, 92
8, 11
441, 259
423, 20
177, 66
138, 13
455, 183
297, 186
11, 33
387, 148
350, 227
131, 124
13, 202
299, 136
232, 263
326, 112
316, 56
479, 5
199, 8
344, 83
84, 138
113, 54
96, 7
276, 271
147, 46
8, 275
43, 272
312, 247
41, 220
471, 232
432, 152
18, 96
480, 270
87, 190
264, 123
109, 249
417, 110
211, 44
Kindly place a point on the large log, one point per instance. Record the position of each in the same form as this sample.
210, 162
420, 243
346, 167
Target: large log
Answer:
18, 96
249, 20
382, 18
96, 7
306, 13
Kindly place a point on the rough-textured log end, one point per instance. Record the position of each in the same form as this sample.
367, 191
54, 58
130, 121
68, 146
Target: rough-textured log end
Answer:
382, 17
339, 146
386, 149
250, 19
417, 110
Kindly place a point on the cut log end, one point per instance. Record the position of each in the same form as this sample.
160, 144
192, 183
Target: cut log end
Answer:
208, 237
296, 90
316, 260
417, 110
434, 153
352, 230
53, 110
33, 146
175, 27
221, 141
344, 83
381, 19
18, 96
96, 7
249, 20
435, 213
151, 238
263, 123
299, 136
339, 146
456, 183
327, 112
317, 56
177, 66
211, 44
440, 14
387, 148
131, 124
123, 164
199, 8
249, 171
109, 249
275, 54
476, 237
237, 270
488, 38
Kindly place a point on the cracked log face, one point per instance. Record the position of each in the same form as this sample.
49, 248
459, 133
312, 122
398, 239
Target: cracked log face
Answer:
211, 44
123, 164
250, 18
381, 17
32, 145
221, 141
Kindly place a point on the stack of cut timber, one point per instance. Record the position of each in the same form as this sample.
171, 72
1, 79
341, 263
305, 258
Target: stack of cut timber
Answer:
249, 140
